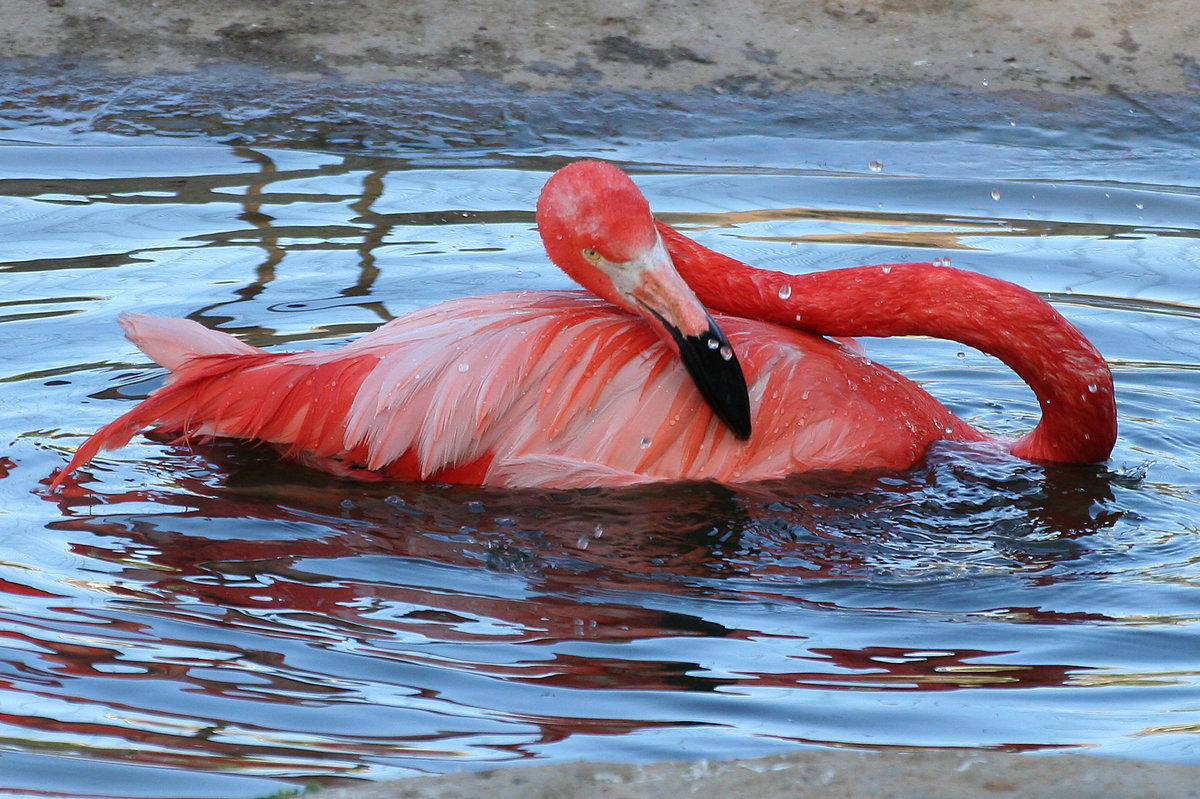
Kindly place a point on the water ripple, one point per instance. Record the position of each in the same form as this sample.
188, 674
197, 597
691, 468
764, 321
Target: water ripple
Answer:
210, 622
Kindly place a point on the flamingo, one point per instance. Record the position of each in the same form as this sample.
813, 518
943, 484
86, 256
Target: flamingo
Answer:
632, 380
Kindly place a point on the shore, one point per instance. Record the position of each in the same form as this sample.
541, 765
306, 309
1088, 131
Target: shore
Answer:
1057, 46
1052, 51
811, 775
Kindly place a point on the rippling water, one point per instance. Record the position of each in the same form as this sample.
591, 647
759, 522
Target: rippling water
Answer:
212, 623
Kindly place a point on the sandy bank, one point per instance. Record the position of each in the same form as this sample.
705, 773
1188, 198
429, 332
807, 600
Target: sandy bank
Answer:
1061, 46
811, 775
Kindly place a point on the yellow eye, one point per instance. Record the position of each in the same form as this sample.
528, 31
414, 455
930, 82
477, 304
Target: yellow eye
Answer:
591, 255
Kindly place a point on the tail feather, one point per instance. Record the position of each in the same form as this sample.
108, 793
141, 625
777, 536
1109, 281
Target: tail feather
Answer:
173, 342
176, 344
113, 435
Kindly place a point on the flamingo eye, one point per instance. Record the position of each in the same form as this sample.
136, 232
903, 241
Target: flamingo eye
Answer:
591, 255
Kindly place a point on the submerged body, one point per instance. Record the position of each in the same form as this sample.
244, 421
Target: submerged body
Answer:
565, 389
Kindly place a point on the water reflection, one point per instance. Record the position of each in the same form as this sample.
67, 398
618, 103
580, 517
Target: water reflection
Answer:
250, 582
215, 610
342, 213
1020, 514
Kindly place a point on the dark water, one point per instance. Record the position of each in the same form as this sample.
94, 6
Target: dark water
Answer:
203, 623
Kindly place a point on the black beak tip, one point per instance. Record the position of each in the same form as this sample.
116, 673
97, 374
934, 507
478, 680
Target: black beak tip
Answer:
740, 425
714, 367
715, 370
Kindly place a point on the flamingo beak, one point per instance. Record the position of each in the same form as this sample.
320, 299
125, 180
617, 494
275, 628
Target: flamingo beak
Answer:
714, 367
663, 295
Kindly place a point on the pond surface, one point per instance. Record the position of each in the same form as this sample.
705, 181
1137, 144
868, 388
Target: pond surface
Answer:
212, 623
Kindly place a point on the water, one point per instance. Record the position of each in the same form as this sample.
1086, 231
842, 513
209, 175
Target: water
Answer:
212, 623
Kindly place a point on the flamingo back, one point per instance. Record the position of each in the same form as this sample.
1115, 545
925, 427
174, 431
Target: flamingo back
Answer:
534, 389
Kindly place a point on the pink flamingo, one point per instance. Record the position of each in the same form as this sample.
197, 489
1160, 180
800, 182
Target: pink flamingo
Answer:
574, 389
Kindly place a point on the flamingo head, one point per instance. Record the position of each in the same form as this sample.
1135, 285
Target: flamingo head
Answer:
597, 227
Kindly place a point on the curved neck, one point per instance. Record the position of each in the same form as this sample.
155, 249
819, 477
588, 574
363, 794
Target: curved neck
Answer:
1072, 382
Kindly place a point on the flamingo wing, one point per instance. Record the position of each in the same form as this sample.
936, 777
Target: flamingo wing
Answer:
532, 389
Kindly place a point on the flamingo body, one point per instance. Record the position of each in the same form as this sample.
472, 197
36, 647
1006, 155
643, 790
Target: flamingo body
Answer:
633, 382
464, 392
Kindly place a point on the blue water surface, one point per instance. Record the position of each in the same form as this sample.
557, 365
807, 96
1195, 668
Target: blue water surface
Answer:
213, 623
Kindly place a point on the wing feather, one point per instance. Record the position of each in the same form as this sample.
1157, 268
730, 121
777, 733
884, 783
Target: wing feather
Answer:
528, 388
